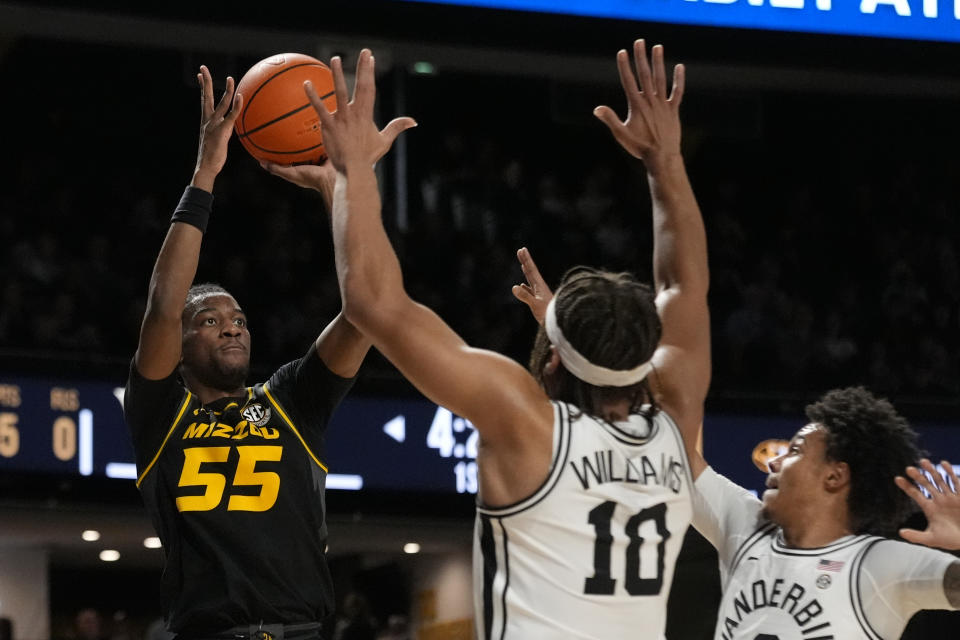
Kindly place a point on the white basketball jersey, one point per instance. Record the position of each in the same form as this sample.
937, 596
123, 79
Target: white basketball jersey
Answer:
778, 593
591, 553
858, 587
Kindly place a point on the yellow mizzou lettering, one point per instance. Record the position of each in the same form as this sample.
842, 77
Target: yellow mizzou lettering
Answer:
221, 430
215, 483
197, 430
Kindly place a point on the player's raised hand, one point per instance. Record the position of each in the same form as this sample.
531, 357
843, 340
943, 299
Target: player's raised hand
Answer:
350, 135
534, 292
216, 126
942, 508
321, 177
651, 130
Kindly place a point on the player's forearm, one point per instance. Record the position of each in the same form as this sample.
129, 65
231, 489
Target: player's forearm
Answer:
174, 271
342, 347
176, 264
680, 243
159, 349
204, 177
367, 266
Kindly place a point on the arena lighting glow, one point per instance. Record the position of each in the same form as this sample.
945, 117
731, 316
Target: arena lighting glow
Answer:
152, 542
910, 19
85, 455
424, 68
90, 535
109, 555
411, 547
121, 470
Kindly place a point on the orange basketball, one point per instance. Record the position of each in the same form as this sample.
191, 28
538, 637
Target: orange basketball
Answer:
278, 123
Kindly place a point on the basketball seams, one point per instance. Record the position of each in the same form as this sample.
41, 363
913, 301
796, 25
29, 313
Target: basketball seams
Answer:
280, 130
245, 137
279, 118
264, 83
266, 124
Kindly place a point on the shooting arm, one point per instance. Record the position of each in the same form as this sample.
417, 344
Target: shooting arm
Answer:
158, 352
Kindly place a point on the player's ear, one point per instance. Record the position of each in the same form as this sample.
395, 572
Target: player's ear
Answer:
838, 476
550, 367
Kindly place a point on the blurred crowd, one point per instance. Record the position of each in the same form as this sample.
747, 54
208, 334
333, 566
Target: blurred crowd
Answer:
833, 241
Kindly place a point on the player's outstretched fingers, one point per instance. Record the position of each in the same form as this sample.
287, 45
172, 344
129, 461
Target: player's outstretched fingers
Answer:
365, 86
659, 72
225, 99
531, 272
397, 126
628, 79
326, 118
643, 66
607, 116
910, 489
935, 475
915, 536
206, 93
679, 82
951, 474
523, 293
236, 109
339, 82
921, 479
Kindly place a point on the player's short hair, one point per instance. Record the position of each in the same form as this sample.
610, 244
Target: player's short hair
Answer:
198, 292
611, 319
877, 444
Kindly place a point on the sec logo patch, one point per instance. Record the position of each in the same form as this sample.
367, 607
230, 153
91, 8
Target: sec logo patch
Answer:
257, 414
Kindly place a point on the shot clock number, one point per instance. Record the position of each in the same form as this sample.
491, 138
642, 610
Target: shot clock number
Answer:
442, 436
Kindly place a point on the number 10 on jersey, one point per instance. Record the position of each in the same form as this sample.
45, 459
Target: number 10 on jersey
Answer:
601, 583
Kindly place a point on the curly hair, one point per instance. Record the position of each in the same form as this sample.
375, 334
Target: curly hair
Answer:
612, 320
877, 444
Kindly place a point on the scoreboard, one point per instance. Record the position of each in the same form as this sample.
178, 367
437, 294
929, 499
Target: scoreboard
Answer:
65, 427
408, 444
75, 427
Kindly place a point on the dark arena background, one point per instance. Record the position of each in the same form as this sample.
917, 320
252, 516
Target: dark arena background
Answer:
821, 142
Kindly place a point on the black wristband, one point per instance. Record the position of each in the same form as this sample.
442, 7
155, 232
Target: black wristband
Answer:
194, 208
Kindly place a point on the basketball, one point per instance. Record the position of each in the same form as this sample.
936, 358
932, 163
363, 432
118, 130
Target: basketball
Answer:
278, 123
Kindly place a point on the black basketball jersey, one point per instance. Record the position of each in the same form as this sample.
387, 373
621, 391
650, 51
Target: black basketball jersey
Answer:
235, 490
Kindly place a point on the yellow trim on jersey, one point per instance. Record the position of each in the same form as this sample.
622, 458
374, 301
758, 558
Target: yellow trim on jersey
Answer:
183, 407
276, 405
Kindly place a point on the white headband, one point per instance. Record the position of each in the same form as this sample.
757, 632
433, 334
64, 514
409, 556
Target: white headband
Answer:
582, 368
